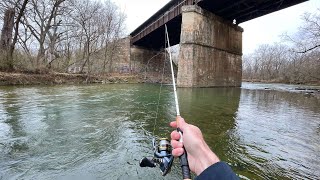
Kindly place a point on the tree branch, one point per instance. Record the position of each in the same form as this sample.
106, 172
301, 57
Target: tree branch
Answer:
307, 50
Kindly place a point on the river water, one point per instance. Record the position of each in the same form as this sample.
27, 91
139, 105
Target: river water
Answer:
102, 131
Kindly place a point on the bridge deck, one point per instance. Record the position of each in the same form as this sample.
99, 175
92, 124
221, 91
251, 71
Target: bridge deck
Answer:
151, 33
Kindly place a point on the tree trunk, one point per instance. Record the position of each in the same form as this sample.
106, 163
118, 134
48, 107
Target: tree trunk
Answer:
12, 45
40, 57
6, 39
6, 33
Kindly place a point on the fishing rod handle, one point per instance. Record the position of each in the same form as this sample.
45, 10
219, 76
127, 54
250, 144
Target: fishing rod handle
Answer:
184, 161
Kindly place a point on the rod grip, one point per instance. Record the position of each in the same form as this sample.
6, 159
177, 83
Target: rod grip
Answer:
184, 161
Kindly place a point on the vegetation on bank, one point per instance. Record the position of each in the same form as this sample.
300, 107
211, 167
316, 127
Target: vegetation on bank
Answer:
63, 36
296, 60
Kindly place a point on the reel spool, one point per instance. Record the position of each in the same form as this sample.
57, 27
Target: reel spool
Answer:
162, 156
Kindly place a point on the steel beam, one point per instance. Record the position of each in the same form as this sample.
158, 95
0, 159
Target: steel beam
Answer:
149, 33
157, 21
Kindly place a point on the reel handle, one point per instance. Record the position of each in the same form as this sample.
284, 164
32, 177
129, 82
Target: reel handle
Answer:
145, 162
184, 161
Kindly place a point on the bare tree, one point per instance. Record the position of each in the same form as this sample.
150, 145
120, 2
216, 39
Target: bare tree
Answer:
6, 34
277, 63
85, 15
297, 63
98, 25
58, 34
39, 21
7, 30
114, 28
308, 36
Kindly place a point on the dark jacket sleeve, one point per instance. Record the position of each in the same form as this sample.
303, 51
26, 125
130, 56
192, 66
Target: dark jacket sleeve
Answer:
219, 171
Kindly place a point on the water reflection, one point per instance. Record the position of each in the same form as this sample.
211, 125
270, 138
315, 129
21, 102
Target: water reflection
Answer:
11, 110
207, 104
14, 143
276, 135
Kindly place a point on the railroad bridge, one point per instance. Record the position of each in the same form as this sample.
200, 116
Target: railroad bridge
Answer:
209, 37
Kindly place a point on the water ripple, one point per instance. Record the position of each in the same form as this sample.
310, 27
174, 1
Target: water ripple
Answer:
102, 131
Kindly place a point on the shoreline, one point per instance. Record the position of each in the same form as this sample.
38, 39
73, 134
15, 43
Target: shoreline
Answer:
280, 82
54, 78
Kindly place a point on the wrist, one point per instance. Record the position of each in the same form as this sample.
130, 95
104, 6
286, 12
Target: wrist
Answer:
206, 159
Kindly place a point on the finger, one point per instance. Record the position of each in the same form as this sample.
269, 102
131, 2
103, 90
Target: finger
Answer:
177, 152
175, 135
181, 123
173, 124
176, 144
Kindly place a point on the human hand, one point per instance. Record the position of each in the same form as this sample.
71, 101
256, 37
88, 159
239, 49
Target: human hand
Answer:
200, 156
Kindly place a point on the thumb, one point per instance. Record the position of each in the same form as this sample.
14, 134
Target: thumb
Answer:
181, 123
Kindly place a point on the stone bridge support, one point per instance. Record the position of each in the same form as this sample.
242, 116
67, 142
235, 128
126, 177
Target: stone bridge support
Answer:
210, 50
151, 65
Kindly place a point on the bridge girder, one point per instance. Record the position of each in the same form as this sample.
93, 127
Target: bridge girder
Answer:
151, 33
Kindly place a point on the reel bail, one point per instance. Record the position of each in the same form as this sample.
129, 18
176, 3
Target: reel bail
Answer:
162, 156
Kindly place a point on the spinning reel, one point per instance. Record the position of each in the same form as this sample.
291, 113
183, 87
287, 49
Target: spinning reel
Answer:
162, 156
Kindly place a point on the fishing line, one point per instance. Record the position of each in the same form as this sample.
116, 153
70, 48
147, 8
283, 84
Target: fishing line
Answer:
145, 73
160, 90
162, 149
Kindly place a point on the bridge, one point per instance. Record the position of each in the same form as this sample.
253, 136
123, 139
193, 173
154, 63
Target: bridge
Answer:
209, 36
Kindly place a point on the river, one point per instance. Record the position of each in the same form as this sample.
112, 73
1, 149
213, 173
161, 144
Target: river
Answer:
263, 131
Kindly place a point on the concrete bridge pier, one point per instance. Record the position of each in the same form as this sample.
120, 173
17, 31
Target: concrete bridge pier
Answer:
210, 50
150, 64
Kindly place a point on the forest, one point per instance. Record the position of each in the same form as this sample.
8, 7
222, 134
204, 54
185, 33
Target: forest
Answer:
59, 35
294, 60
80, 36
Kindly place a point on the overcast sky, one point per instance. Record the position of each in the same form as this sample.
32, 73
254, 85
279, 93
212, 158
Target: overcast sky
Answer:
263, 30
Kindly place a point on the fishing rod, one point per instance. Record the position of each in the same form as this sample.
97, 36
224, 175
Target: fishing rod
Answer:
163, 151
183, 158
